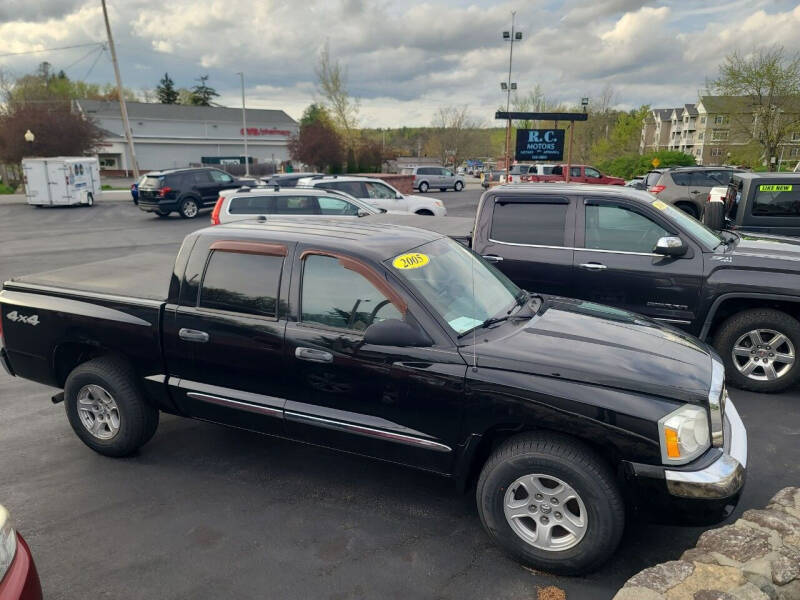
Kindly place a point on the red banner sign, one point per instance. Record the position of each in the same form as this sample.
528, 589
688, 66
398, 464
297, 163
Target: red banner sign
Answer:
255, 131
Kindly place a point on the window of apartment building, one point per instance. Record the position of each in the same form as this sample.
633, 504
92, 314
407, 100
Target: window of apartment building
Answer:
700, 136
719, 134
794, 152
796, 136
719, 120
702, 120
716, 152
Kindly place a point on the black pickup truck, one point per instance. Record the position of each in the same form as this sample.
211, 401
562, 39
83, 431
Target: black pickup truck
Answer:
399, 344
763, 203
622, 247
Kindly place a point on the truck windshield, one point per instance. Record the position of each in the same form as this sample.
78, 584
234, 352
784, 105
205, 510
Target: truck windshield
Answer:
462, 288
695, 228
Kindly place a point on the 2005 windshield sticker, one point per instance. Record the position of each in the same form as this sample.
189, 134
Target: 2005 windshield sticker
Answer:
775, 188
412, 260
659, 205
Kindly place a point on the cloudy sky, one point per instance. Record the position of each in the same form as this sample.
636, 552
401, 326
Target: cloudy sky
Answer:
404, 59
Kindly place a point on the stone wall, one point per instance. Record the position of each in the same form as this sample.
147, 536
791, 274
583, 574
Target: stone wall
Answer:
755, 558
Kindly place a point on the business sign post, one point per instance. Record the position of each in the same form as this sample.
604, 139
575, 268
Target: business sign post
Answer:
540, 144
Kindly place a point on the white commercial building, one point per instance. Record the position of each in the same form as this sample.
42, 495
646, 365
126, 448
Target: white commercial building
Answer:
167, 136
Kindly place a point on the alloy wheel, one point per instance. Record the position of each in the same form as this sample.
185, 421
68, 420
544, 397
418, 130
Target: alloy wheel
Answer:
763, 354
98, 412
545, 512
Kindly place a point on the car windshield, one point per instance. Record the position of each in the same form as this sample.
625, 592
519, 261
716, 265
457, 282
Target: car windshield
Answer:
700, 232
462, 288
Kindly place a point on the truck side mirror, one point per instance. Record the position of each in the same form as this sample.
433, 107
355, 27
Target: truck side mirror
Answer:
394, 332
670, 245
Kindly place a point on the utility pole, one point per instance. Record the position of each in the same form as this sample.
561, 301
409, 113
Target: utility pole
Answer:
122, 107
508, 86
244, 131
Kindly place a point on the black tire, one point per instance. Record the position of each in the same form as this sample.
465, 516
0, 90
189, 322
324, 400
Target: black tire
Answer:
458, 186
752, 320
138, 420
189, 208
89, 200
689, 208
423, 187
574, 464
424, 212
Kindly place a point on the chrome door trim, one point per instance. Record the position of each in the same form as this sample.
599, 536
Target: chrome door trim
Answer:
380, 434
245, 406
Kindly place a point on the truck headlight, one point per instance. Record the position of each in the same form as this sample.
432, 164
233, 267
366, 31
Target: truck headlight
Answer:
684, 434
8, 542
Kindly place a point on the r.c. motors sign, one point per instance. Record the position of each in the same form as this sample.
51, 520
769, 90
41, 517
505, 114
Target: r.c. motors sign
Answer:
540, 144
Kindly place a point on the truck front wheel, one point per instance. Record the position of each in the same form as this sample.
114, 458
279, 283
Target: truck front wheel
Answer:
551, 503
106, 409
759, 348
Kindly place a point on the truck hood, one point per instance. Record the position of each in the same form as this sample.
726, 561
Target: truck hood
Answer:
767, 246
600, 345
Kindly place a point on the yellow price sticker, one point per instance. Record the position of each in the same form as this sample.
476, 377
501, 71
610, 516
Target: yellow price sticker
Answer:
775, 188
659, 205
412, 260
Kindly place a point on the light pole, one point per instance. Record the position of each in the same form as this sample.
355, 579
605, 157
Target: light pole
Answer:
510, 36
244, 130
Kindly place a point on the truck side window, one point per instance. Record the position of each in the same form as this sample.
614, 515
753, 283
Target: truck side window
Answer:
337, 297
535, 224
620, 229
774, 203
242, 283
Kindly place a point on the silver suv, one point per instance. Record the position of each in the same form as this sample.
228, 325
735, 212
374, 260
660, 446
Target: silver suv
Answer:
426, 178
687, 188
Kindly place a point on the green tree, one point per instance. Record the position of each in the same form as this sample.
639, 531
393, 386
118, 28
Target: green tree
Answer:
770, 80
166, 92
332, 86
202, 94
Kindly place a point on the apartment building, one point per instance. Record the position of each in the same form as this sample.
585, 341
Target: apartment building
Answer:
656, 130
712, 130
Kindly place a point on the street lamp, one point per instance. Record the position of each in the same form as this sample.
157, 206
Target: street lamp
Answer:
244, 130
29, 137
511, 37
585, 103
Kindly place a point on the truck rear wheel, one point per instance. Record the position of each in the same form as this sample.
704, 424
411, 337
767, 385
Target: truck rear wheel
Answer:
106, 409
759, 348
551, 503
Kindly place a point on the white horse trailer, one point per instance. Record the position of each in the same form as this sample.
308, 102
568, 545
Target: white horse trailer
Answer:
62, 180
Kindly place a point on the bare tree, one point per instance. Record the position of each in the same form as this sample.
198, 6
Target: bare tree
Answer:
761, 91
332, 86
454, 136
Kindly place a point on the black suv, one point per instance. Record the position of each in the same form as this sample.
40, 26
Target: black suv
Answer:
186, 191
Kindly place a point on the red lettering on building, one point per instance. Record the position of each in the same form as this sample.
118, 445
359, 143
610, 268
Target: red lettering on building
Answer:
255, 131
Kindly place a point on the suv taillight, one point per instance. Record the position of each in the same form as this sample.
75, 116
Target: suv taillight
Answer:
216, 211
164, 191
655, 189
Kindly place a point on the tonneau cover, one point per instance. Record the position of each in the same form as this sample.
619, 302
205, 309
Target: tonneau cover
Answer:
141, 276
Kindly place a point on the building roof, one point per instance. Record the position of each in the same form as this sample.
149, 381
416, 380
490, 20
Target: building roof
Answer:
182, 112
691, 109
662, 114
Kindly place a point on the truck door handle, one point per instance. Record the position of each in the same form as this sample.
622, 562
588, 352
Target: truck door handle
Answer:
493, 258
593, 266
313, 355
192, 335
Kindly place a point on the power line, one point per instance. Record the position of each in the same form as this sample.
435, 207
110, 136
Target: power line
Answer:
89, 53
96, 58
51, 49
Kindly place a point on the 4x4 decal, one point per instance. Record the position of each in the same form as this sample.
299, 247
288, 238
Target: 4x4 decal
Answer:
15, 317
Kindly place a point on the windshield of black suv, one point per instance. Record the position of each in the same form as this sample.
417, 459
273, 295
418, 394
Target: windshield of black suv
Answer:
462, 288
689, 224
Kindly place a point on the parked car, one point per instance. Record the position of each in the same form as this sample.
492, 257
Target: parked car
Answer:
187, 191
624, 248
637, 182
246, 203
763, 203
577, 174
494, 176
288, 179
378, 193
399, 344
19, 579
687, 187
426, 178
135, 189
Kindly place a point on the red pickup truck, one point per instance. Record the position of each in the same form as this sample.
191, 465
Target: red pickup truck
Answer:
577, 174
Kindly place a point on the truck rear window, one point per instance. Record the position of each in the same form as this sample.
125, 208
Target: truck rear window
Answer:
242, 283
777, 200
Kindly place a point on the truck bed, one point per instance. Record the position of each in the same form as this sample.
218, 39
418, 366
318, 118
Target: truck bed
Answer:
143, 276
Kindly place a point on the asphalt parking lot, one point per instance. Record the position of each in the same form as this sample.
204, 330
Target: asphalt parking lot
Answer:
206, 511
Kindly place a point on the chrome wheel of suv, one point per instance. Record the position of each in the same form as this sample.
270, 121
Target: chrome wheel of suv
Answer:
189, 209
763, 354
545, 512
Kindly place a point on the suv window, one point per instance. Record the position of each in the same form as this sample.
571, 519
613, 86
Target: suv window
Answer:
710, 178
297, 205
243, 283
618, 228
201, 177
533, 223
249, 205
652, 178
379, 190
777, 200
351, 187
220, 177
683, 178
337, 206
337, 297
